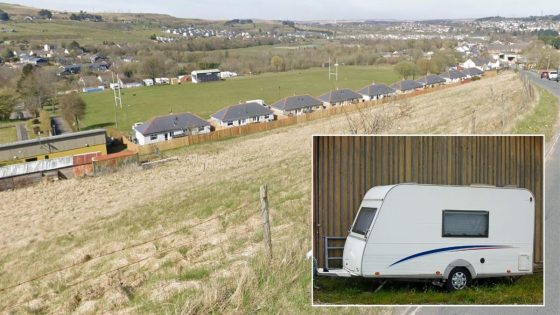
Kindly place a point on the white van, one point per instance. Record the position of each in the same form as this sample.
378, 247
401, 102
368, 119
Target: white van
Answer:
451, 234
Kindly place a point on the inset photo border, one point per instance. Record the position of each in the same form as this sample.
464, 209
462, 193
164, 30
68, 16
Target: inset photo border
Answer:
428, 220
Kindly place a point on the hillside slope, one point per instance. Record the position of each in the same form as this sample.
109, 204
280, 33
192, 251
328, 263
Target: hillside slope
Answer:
218, 265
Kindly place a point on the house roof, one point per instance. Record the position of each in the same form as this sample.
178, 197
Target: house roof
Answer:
89, 81
241, 111
376, 90
406, 85
453, 74
173, 122
473, 71
430, 79
481, 61
297, 102
338, 96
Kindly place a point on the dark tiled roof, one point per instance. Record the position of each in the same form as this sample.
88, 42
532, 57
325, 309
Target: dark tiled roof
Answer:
297, 102
431, 79
242, 111
453, 74
338, 96
173, 122
473, 71
376, 90
406, 85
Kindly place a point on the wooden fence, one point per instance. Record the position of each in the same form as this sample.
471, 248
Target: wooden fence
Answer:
345, 167
260, 127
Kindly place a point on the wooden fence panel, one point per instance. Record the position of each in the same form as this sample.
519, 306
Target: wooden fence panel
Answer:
345, 167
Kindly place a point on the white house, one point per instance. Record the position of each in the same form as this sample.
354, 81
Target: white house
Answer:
468, 64
167, 127
376, 92
205, 76
243, 114
340, 97
298, 105
162, 80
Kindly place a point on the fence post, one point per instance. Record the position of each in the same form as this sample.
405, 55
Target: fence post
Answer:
473, 122
266, 222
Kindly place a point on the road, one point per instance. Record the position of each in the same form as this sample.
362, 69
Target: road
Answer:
60, 126
21, 132
551, 239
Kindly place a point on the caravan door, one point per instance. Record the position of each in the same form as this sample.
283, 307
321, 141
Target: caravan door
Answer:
357, 239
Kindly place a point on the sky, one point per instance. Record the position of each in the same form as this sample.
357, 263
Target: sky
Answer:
311, 9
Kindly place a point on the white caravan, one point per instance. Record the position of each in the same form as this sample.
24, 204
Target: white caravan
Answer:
451, 234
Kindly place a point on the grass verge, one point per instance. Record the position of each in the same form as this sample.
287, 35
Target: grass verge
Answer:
525, 290
543, 118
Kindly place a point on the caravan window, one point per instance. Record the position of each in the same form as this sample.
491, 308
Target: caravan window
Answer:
462, 223
363, 222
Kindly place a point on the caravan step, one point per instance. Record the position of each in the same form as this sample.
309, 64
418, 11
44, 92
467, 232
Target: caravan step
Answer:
333, 273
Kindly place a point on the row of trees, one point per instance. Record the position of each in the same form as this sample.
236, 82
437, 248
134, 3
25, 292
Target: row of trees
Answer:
36, 90
438, 63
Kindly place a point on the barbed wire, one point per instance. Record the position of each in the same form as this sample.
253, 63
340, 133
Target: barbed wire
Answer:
113, 252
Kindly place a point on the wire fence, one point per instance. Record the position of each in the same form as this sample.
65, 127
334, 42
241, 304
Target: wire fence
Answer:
157, 253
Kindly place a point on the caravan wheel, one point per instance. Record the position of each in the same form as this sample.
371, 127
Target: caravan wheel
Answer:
459, 278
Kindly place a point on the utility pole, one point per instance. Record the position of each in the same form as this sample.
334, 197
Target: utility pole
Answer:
335, 73
117, 95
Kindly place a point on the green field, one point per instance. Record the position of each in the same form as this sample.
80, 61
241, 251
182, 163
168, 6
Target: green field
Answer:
83, 32
525, 290
7, 132
205, 99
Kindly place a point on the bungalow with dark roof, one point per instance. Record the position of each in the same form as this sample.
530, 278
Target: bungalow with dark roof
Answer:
431, 80
453, 76
167, 127
340, 97
376, 92
406, 86
243, 114
473, 72
297, 105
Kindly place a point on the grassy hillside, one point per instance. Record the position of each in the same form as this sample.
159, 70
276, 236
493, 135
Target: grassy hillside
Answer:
195, 222
83, 32
543, 118
205, 99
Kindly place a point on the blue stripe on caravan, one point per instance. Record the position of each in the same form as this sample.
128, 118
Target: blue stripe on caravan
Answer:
448, 249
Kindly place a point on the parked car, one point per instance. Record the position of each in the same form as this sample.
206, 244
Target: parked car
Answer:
448, 234
553, 75
544, 75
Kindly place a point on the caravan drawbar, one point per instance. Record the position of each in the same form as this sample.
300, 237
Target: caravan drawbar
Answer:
451, 234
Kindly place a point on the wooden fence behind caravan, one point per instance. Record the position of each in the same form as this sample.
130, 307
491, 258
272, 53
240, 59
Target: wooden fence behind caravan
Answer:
345, 167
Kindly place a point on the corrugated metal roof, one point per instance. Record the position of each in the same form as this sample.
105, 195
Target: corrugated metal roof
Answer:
53, 138
35, 166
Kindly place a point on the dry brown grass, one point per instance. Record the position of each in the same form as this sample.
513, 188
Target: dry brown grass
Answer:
218, 266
